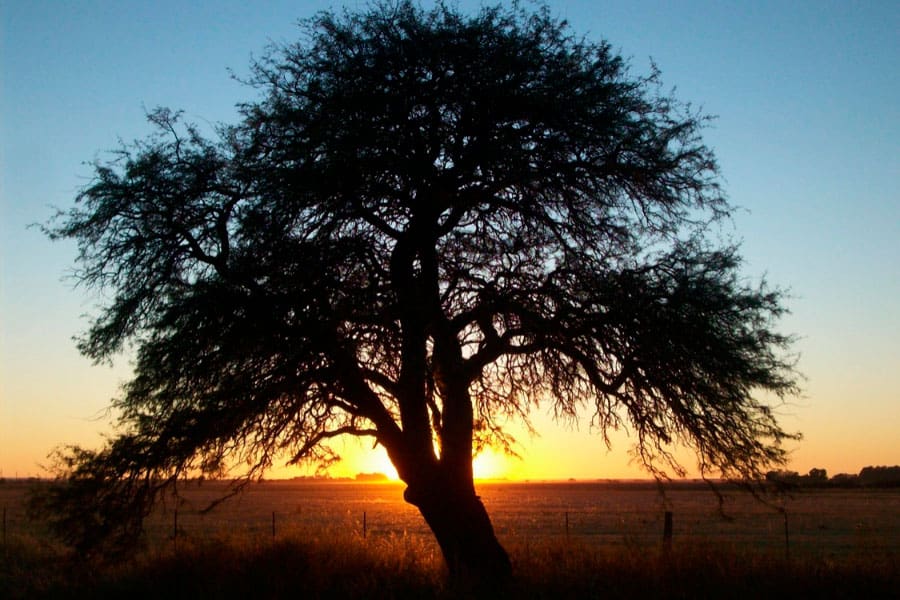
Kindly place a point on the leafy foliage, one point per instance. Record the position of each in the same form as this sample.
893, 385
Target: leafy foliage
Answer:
427, 225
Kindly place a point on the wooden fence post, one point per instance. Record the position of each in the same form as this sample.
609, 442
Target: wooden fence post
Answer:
667, 532
787, 539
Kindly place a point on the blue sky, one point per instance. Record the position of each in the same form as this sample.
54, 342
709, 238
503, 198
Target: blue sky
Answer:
807, 98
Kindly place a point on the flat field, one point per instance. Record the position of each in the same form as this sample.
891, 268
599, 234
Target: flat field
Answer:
559, 534
820, 522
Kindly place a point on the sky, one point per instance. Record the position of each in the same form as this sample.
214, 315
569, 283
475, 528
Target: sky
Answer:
807, 103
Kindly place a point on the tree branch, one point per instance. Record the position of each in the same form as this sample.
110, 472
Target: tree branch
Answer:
321, 436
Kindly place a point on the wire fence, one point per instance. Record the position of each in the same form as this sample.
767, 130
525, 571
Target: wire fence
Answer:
818, 523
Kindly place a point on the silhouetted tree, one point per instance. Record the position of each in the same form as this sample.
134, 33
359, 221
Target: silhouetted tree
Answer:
427, 225
882, 476
844, 480
818, 475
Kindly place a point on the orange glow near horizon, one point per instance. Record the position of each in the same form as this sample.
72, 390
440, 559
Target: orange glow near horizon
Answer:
488, 464
558, 453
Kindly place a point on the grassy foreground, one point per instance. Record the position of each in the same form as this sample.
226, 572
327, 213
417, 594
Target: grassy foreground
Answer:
408, 567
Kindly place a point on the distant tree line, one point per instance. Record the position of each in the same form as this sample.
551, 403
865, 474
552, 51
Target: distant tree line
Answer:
867, 477
365, 477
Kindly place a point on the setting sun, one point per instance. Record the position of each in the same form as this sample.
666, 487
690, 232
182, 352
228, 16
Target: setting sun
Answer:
380, 463
488, 465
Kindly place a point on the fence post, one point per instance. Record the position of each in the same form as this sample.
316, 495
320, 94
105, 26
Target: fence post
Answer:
787, 539
667, 532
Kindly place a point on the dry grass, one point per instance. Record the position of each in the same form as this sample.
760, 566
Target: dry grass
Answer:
408, 567
843, 547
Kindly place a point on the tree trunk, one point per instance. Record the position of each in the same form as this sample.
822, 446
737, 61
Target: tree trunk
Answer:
463, 530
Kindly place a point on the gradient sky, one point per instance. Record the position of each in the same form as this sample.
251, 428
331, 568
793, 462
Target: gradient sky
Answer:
807, 96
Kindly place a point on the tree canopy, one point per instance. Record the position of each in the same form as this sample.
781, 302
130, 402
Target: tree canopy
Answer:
425, 226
